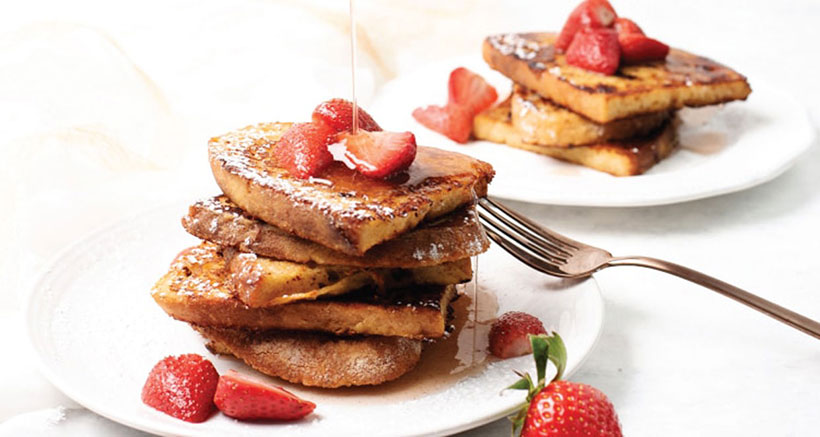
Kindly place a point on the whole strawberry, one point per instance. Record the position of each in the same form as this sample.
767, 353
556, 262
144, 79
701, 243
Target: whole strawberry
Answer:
182, 387
561, 408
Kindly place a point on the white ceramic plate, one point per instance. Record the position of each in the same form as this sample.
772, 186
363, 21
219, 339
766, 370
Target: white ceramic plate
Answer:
97, 333
723, 148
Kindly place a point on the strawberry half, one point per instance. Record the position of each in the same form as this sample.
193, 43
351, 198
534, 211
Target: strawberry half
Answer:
625, 25
247, 399
636, 47
338, 114
302, 150
375, 154
454, 122
595, 50
469, 90
509, 334
588, 14
182, 387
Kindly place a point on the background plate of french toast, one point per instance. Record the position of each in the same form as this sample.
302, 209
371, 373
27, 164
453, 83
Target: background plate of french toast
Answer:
648, 135
97, 330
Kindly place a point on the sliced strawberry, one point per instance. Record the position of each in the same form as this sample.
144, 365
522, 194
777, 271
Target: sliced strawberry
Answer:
637, 47
375, 154
338, 114
182, 387
302, 150
625, 25
508, 334
470, 90
588, 14
453, 121
244, 398
595, 50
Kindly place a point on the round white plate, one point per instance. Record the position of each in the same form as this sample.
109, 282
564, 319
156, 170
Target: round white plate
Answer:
723, 149
97, 333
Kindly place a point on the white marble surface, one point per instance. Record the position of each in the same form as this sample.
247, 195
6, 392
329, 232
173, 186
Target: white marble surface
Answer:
105, 109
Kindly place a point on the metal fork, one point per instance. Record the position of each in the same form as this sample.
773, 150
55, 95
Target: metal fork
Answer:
556, 255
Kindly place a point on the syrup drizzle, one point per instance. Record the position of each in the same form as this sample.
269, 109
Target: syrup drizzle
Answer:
353, 67
475, 280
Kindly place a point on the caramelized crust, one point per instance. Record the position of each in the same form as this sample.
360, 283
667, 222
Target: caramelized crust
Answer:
456, 236
540, 121
619, 158
316, 359
195, 290
342, 210
683, 79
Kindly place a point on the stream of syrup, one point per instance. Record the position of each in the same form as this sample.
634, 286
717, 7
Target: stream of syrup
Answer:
353, 67
464, 351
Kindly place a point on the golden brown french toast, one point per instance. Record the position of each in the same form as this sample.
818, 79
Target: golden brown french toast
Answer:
195, 290
541, 121
619, 158
259, 281
456, 236
682, 79
342, 210
317, 359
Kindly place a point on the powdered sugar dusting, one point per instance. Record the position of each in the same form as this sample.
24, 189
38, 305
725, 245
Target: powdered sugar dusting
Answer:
514, 44
247, 153
182, 281
433, 252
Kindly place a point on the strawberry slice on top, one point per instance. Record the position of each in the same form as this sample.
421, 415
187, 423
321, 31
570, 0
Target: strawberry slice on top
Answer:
625, 25
245, 398
469, 90
588, 14
637, 47
302, 150
338, 115
375, 154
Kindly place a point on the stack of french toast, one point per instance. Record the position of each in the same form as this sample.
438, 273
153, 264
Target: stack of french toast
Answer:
328, 281
621, 123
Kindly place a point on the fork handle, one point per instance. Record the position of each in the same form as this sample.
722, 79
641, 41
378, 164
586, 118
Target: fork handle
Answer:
771, 309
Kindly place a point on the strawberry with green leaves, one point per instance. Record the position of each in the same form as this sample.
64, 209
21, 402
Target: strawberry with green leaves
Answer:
561, 408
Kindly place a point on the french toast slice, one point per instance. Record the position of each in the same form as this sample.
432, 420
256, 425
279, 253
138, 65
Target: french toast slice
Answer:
195, 289
456, 236
540, 121
317, 359
259, 281
628, 157
682, 79
343, 209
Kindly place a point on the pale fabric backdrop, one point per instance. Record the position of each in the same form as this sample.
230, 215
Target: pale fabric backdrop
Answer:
105, 107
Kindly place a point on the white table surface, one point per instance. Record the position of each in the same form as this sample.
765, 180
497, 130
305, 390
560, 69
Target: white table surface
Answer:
105, 109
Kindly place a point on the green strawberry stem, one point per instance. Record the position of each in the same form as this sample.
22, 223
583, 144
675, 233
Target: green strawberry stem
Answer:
545, 348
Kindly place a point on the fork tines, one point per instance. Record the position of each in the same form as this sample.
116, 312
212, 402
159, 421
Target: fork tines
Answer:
534, 245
